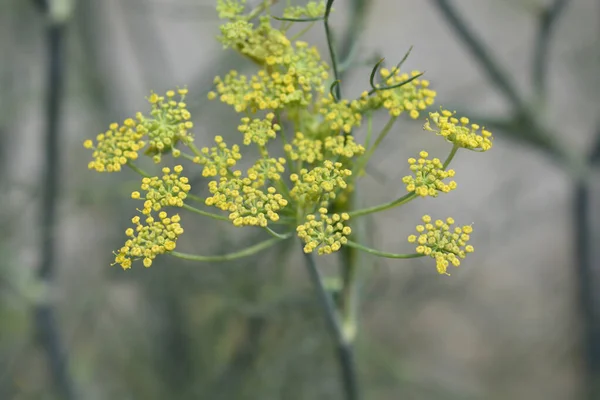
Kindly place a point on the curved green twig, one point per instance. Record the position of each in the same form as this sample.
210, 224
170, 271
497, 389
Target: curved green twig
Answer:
333, 86
382, 207
311, 19
381, 253
137, 169
204, 213
277, 235
230, 256
374, 71
394, 86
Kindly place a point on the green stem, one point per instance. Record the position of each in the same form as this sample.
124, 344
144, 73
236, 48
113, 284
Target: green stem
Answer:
386, 206
195, 198
365, 158
302, 32
188, 156
277, 235
137, 169
381, 253
369, 128
450, 156
230, 256
205, 213
334, 64
345, 354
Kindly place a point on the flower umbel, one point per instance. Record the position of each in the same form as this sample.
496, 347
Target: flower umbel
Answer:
148, 240
168, 191
218, 160
168, 124
428, 176
457, 131
115, 147
437, 240
325, 234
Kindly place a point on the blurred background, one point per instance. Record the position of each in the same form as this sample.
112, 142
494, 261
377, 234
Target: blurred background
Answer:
520, 319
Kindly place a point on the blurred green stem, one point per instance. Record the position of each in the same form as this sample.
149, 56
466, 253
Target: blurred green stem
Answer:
345, 354
230, 256
379, 253
382, 207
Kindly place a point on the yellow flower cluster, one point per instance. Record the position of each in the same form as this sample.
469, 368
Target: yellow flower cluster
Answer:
312, 9
247, 205
148, 240
168, 191
230, 9
115, 147
258, 130
412, 97
341, 115
289, 83
458, 131
429, 176
320, 183
340, 146
325, 234
217, 160
155, 236
304, 149
438, 241
266, 169
263, 44
169, 123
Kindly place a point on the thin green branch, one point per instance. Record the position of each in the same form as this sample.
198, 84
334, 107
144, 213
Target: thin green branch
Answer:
344, 348
310, 19
490, 65
137, 169
396, 85
230, 256
546, 25
302, 32
348, 49
382, 207
381, 253
195, 198
450, 156
330, 46
277, 235
367, 156
369, 128
204, 213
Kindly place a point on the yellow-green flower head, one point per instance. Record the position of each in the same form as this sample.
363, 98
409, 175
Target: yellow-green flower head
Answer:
115, 147
305, 149
266, 169
339, 116
439, 241
320, 183
167, 191
169, 123
413, 97
218, 160
458, 131
246, 204
289, 83
429, 175
258, 130
230, 9
325, 234
313, 9
340, 146
263, 44
149, 239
